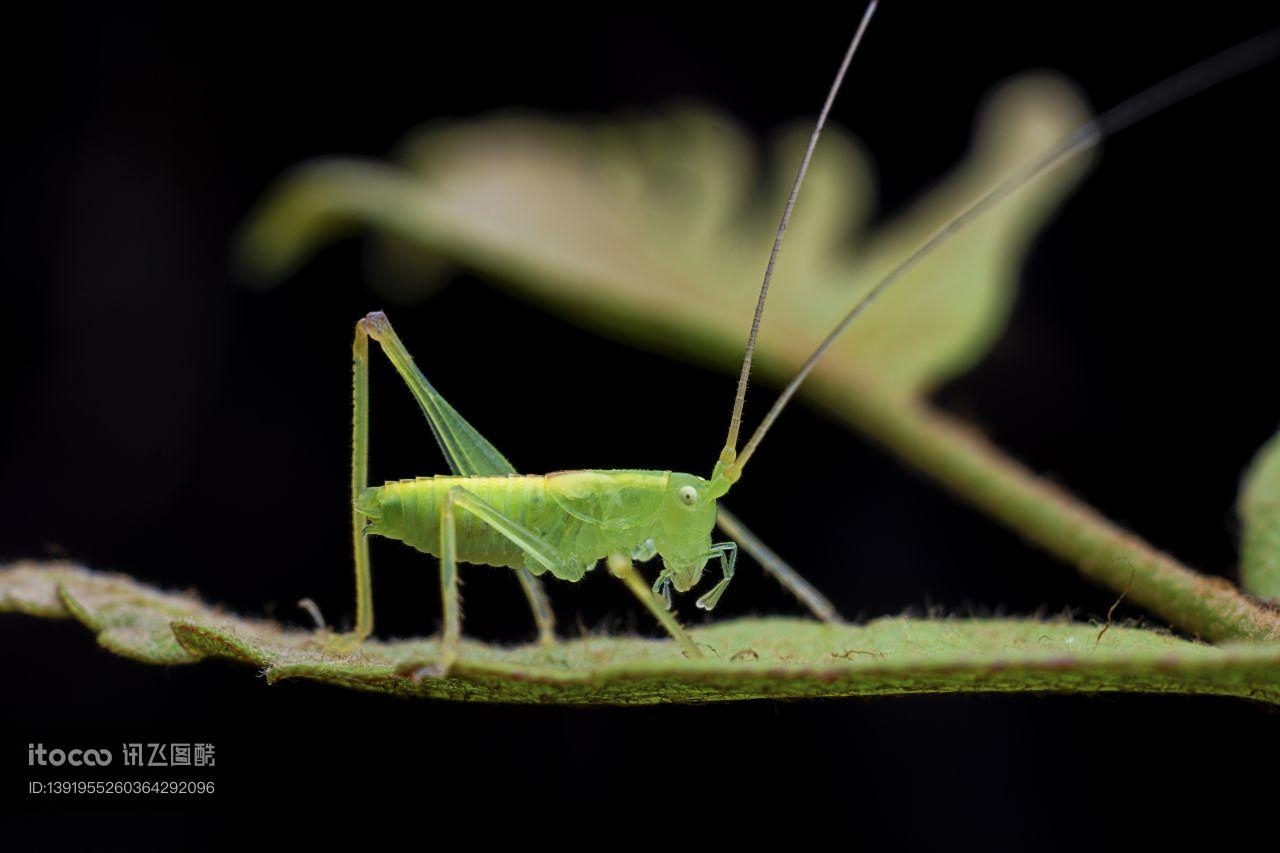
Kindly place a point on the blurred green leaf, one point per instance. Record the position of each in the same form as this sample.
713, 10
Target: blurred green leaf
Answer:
652, 229
1260, 513
746, 658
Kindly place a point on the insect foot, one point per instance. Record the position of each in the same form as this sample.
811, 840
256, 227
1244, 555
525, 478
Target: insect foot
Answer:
440, 669
712, 598
343, 644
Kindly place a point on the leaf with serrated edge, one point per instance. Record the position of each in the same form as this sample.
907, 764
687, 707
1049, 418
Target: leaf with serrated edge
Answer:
646, 228
745, 658
1260, 514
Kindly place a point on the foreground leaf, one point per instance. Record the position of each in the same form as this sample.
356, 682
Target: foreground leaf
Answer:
1260, 513
649, 229
747, 658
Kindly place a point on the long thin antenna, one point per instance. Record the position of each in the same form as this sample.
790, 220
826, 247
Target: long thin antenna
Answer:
735, 422
1203, 75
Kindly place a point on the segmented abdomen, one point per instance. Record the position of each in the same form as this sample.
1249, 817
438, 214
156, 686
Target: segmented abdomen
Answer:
409, 510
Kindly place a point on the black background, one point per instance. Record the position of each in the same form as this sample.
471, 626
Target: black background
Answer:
160, 419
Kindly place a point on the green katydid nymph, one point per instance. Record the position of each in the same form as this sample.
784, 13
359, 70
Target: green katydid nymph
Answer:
565, 523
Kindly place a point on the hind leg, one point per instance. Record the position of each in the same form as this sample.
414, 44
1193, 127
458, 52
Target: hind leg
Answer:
359, 480
459, 499
467, 452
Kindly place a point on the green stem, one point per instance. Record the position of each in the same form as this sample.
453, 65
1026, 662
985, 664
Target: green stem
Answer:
964, 461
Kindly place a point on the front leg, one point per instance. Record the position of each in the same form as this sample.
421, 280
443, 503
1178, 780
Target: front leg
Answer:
728, 554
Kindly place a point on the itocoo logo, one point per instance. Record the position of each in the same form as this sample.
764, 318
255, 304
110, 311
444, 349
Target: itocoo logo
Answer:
37, 754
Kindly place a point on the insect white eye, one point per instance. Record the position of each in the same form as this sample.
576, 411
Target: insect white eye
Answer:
688, 495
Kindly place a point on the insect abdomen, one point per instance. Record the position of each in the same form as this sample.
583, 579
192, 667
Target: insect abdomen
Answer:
409, 510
